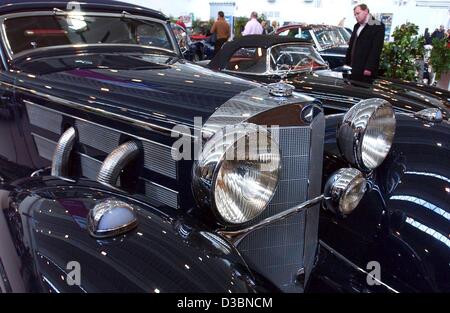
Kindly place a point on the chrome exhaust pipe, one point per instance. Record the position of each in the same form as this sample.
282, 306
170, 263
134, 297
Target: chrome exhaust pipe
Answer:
116, 161
60, 161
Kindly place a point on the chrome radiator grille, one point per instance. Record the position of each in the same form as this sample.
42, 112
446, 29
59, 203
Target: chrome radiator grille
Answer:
279, 251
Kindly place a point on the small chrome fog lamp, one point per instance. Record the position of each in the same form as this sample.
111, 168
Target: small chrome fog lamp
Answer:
344, 190
111, 218
366, 133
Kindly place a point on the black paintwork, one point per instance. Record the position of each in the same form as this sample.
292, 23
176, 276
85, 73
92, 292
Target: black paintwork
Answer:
412, 184
140, 91
9, 6
128, 82
166, 253
337, 93
403, 221
143, 81
335, 56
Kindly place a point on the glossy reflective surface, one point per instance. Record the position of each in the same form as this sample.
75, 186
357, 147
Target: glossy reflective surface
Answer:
47, 222
403, 221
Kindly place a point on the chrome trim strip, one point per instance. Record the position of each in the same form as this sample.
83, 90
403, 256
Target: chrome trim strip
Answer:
161, 193
333, 55
48, 155
110, 115
95, 136
152, 150
343, 258
236, 236
50, 284
89, 166
103, 126
246, 105
45, 118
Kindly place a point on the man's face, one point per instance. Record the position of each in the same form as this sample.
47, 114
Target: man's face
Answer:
442, 28
360, 15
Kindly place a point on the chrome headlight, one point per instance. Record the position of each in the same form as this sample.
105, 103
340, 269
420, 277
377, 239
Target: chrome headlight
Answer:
237, 173
344, 190
366, 133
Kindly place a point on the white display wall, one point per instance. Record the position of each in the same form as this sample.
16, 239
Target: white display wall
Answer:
425, 13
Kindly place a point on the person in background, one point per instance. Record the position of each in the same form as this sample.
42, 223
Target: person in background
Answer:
448, 38
221, 29
342, 22
366, 43
438, 33
253, 27
274, 26
427, 37
180, 22
265, 27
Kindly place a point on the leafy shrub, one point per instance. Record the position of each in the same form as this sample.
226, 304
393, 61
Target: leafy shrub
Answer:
398, 58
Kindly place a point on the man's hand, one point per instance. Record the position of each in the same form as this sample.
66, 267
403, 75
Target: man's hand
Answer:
367, 73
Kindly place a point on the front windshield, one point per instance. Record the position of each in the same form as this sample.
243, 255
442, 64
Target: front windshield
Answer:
330, 37
345, 34
295, 58
39, 31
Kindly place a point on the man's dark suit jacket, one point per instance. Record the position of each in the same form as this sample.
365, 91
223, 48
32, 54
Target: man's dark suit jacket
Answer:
366, 54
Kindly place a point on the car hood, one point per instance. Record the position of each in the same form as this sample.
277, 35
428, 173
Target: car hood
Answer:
404, 96
145, 87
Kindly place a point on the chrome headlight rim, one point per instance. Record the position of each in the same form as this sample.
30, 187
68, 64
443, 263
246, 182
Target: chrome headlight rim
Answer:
207, 168
339, 185
354, 127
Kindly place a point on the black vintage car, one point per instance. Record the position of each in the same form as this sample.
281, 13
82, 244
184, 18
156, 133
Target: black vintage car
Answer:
124, 167
403, 223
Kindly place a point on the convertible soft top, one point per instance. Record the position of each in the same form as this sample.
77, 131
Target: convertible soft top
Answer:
9, 6
251, 41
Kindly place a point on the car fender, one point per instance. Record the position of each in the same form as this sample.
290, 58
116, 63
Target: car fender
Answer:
45, 239
402, 222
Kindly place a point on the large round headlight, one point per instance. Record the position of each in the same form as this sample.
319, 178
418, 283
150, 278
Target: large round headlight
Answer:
344, 190
366, 133
237, 173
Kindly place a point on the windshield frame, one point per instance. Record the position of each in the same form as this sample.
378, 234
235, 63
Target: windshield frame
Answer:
11, 55
321, 46
269, 53
269, 71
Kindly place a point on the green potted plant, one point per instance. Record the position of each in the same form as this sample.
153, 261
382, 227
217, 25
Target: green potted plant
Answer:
440, 62
399, 58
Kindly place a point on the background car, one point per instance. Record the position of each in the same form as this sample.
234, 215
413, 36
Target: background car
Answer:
330, 41
269, 58
192, 50
403, 221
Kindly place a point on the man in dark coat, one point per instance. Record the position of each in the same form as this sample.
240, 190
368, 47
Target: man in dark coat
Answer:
365, 45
